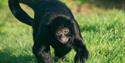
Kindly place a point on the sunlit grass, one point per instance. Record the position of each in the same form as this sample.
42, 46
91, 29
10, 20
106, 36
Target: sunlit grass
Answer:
103, 32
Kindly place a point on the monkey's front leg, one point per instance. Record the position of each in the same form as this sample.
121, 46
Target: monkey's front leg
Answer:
42, 53
41, 47
81, 51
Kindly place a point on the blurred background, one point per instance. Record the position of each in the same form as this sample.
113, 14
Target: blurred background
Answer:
102, 24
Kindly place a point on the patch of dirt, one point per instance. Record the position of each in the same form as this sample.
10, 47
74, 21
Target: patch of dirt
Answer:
81, 8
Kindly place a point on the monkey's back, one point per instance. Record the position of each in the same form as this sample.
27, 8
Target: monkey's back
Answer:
46, 10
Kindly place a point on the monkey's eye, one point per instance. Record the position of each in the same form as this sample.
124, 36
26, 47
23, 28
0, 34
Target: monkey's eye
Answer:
66, 31
62, 31
58, 33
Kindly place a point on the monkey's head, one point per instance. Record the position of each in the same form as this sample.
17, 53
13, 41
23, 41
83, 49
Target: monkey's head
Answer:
63, 34
60, 26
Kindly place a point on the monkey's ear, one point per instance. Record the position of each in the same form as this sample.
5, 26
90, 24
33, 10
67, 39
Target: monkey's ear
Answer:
18, 12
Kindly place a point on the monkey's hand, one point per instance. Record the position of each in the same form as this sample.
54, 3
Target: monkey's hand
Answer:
81, 56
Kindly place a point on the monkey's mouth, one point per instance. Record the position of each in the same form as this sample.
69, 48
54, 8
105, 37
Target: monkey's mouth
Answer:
63, 40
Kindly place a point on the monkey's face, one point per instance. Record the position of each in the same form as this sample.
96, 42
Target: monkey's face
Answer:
63, 34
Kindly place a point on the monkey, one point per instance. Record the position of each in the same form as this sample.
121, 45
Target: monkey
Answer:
53, 25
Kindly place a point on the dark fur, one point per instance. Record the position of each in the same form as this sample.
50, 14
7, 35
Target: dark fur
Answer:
49, 16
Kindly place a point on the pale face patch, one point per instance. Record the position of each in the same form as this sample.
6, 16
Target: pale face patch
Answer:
63, 34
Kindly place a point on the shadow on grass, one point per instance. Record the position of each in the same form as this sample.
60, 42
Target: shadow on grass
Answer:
7, 57
108, 4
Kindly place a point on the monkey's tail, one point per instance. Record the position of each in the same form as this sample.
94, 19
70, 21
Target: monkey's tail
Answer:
18, 12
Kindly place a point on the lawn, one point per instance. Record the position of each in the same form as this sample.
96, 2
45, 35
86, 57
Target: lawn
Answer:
103, 31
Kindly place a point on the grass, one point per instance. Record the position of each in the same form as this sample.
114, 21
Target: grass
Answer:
103, 32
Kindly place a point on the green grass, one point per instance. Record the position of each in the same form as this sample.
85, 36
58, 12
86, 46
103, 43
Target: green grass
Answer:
103, 32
